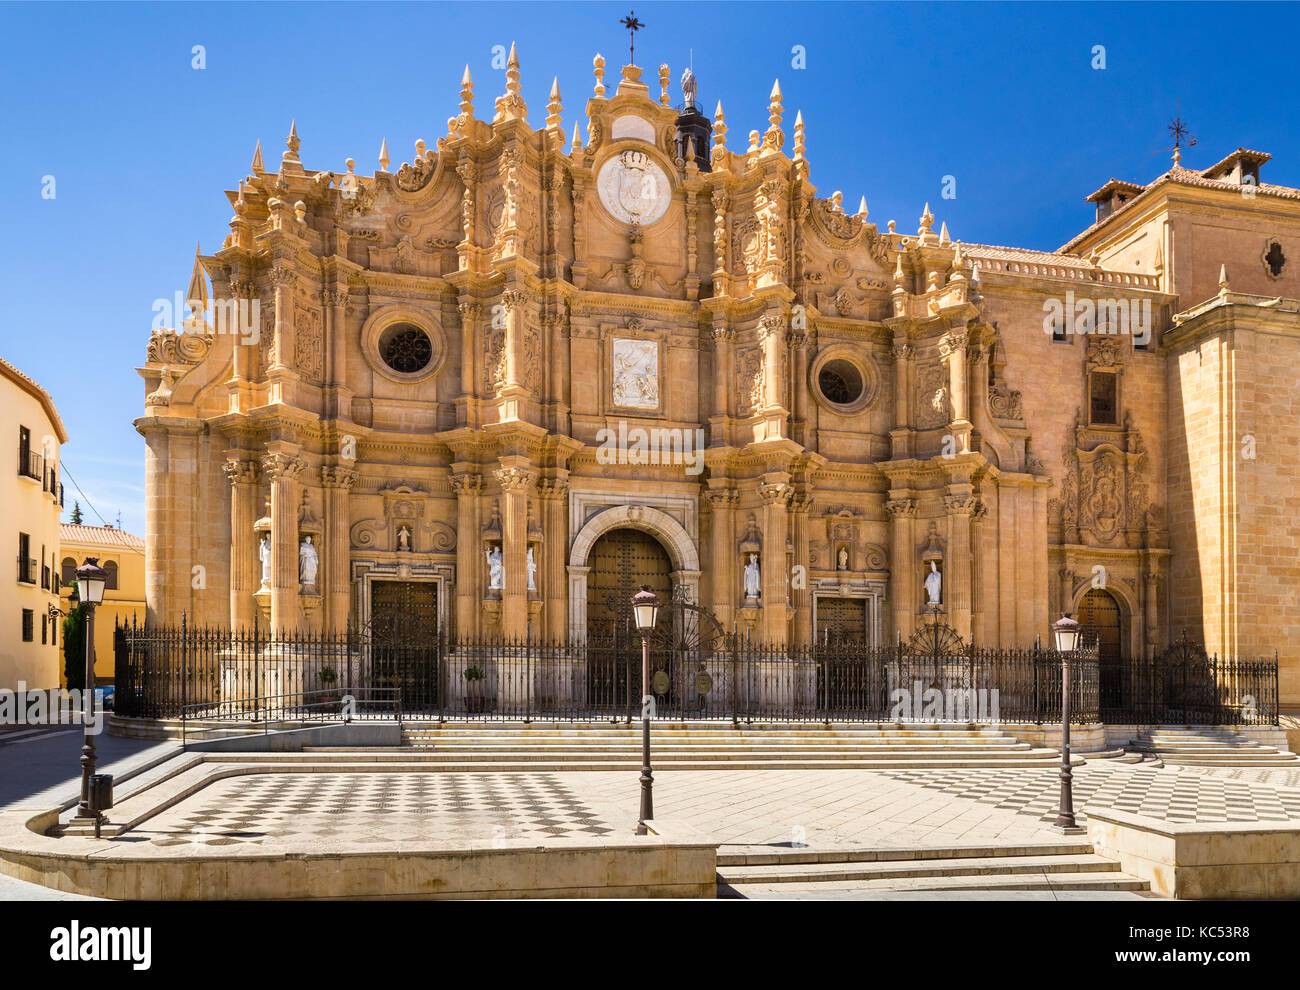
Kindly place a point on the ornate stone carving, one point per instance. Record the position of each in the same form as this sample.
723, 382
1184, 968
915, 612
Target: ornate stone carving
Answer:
635, 373
932, 406
1004, 402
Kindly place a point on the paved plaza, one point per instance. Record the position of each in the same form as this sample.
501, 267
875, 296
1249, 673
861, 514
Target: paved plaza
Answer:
824, 808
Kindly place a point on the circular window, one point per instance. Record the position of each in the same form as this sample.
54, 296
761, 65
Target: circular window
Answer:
405, 348
840, 382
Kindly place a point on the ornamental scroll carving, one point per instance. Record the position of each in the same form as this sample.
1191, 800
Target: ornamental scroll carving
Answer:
1104, 497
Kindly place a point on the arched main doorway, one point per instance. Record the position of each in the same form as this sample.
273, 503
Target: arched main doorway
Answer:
1099, 617
621, 561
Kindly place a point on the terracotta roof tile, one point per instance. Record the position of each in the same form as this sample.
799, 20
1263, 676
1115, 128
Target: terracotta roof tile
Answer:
100, 536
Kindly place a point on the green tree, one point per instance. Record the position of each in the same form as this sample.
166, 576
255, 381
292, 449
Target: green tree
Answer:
76, 513
74, 647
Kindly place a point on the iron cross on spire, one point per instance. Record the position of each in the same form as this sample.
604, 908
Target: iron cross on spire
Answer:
1178, 130
633, 26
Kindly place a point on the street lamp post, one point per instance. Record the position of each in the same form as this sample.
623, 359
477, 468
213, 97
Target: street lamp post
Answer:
645, 609
91, 579
1066, 631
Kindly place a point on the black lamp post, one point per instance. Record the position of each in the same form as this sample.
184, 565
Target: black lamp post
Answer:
91, 579
645, 609
1066, 631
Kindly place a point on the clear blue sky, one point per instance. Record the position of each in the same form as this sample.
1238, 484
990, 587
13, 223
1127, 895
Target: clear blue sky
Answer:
895, 96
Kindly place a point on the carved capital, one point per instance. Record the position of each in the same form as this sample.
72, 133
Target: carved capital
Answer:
240, 471
513, 299
281, 467
901, 507
553, 489
515, 479
952, 342
337, 476
959, 505
283, 277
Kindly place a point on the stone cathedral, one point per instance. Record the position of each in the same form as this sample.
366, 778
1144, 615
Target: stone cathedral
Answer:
399, 394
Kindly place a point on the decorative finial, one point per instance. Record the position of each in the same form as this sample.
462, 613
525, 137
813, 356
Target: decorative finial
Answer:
691, 164
383, 155
633, 26
419, 148
553, 108
598, 67
837, 202
892, 225
1223, 280
775, 137
197, 294
943, 234
665, 80
898, 267
257, 166
1178, 130
799, 137
689, 88
755, 142
300, 211
291, 143
719, 131
957, 264
577, 139
927, 221
467, 94
240, 203
511, 106
862, 208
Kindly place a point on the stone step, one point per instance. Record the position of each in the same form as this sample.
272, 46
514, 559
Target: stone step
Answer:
767, 855
667, 729
570, 746
839, 872
1208, 748
1280, 760
412, 762
1119, 884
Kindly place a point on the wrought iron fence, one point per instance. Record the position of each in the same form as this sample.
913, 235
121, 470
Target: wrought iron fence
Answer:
164, 672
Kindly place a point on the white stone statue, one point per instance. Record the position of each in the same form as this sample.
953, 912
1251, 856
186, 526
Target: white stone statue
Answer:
934, 584
308, 563
496, 569
752, 577
689, 86
843, 559
532, 571
403, 539
264, 553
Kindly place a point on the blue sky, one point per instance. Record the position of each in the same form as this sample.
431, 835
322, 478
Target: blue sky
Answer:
895, 96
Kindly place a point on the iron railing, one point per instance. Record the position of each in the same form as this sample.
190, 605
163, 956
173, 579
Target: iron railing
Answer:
182, 671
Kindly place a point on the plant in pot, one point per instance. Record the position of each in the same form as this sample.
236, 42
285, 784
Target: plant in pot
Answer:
474, 700
328, 677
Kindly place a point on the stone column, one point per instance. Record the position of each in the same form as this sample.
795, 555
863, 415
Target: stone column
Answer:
470, 362
1150, 609
722, 371
469, 551
1066, 577
902, 558
722, 552
977, 630
283, 279
952, 347
281, 468
517, 482
801, 597
244, 566
158, 608
554, 494
960, 503
514, 300
774, 490
338, 481
773, 343
336, 316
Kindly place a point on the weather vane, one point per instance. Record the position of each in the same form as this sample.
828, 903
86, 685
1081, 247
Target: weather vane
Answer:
1178, 129
633, 26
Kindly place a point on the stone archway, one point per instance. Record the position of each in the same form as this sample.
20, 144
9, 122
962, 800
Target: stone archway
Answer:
670, 533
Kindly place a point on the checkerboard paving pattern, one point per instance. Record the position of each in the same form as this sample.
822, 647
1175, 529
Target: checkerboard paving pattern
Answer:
1171, 797
374, 808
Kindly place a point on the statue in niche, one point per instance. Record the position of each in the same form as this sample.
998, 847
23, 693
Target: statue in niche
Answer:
404, 538
496, 569
934, 585
308, 563
752, 577
532, 571
843, 561
264, 553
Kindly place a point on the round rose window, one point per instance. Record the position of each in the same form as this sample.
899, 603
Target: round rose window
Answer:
405, 348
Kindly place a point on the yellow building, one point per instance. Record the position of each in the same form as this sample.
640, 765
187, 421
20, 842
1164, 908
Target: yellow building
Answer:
121, 554
31, 500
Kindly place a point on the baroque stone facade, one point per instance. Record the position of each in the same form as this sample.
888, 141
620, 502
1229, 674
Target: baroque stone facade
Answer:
434, 359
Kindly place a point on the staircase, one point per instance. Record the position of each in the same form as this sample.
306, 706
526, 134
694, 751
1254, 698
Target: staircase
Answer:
699, 746
760, 872
1208, 746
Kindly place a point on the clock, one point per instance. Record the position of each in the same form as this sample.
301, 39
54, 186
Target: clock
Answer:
633, 188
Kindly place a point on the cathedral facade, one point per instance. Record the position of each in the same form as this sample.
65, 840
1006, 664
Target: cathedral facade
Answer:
526, 372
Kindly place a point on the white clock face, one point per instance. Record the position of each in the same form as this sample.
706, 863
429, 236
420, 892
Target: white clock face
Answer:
633, 188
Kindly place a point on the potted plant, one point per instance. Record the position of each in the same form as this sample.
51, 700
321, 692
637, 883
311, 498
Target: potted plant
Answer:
328, 677
474, 700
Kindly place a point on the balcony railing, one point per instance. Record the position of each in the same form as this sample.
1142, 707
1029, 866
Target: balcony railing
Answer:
31, 464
